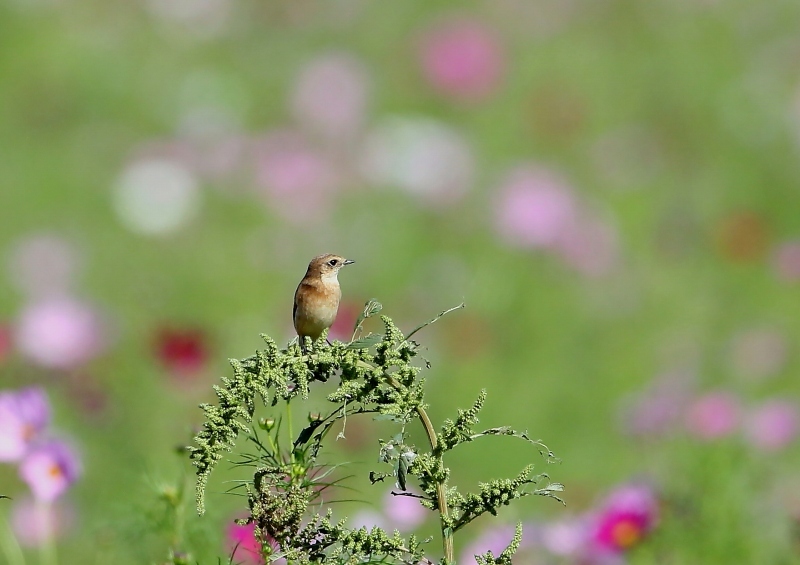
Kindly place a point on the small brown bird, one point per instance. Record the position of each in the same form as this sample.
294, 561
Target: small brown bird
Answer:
316, 300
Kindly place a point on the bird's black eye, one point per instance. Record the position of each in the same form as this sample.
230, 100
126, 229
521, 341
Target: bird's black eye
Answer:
333, 262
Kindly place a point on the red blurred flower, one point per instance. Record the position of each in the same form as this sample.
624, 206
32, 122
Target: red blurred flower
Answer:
184, 352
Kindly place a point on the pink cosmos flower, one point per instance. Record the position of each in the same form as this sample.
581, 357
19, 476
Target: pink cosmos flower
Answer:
535, 208
404, 512
462, 59
624, 519
658, 410
36, 523
295, 179
59, 333
713, 416
773, 425
786, 261
24, 415
49, 470
589, 246
330, 96
566, 537
241, 540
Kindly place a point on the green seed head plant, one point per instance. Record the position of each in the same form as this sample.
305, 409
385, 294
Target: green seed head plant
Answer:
375, 374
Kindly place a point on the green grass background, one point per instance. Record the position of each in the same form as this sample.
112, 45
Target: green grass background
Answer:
82, 83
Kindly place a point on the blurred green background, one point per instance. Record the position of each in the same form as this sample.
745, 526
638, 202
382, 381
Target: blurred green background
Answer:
611, 187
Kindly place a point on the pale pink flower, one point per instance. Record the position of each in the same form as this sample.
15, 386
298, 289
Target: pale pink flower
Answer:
36, 523
59, 333
49, 470
713, 416
786, 261
369, 519
495, 540
330, 96
294, 178
567, 537
404, 512
589, 246
773, 425
24, 415
658, 410
535, 208
462, 59
43, 264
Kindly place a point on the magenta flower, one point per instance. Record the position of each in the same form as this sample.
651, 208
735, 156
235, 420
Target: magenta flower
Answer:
24, 415
330, 96
404, 512
713, 416
49, 470
786, 261
295, 179
773, 425
59, 333
624, 519
535, 208
462, 59
241, 540
35, 524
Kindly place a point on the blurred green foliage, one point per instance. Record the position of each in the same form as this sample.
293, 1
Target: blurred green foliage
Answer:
701, 196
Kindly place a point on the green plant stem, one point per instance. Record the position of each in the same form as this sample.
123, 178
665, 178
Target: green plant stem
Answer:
441, 489
10, 546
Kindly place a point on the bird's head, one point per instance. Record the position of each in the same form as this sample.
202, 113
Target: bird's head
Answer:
327, 266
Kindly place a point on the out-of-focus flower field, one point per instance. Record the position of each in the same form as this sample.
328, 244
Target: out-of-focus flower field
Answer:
613, 188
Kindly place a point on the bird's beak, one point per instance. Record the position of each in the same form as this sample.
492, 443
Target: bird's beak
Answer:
348, 261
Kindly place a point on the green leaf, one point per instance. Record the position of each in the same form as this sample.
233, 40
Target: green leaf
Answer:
365, 342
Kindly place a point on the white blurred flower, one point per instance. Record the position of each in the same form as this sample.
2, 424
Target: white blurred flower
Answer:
59, 333
156, 196
426, 158
201, 17
330, 96
43, 264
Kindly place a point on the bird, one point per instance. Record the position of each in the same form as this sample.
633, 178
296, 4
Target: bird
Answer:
316, 300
